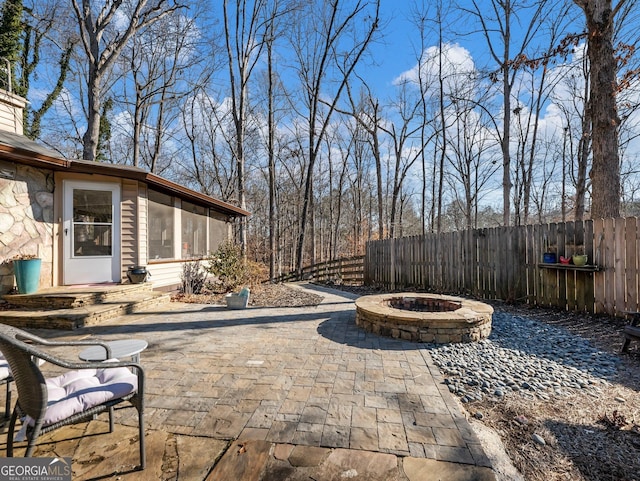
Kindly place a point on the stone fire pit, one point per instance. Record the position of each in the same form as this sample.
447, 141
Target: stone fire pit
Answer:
424, 317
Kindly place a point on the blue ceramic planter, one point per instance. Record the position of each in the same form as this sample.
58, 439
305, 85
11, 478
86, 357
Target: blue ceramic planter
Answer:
549, 258
27, 272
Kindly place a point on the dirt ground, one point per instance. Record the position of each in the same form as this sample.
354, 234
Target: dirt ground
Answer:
587, 438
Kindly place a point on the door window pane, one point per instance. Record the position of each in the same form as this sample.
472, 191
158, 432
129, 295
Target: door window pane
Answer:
92, 224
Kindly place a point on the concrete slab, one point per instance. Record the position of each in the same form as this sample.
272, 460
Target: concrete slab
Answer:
421, 469
329, 465
98, 454
243, 461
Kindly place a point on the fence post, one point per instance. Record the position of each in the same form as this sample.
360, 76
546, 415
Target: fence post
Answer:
392, 267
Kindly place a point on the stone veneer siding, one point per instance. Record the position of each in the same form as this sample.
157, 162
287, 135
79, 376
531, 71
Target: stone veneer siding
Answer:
26, 221
470, 323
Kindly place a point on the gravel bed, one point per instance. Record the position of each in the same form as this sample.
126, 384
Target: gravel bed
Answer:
524, 357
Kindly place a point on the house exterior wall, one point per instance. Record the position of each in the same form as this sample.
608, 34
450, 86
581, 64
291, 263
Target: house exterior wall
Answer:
142, 227
129, 214
26, 220
11, 112
166, 274
30, 203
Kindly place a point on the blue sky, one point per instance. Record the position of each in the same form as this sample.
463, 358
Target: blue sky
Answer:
397, 51
394, 53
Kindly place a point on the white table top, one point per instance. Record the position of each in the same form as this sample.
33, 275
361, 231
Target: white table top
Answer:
119, 349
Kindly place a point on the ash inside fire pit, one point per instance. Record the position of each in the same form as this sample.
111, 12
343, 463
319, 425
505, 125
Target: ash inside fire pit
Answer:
423, 304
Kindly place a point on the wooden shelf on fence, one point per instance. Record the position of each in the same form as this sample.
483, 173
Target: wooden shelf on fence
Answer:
569, 267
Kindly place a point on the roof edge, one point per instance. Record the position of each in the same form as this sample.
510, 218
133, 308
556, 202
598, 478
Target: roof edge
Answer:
36, 159
154, 179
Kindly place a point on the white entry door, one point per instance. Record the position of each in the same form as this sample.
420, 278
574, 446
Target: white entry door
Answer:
91, 230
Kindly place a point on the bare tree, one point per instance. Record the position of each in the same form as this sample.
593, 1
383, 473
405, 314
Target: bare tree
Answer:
103, 43
360, 189
472, 161
203, 165
532, 91
244, 40
441, 130
584, 143
161, 59
367, 113
321, 52
342, 147
573, 104
497, 19
273, 15
29, 35
406, 148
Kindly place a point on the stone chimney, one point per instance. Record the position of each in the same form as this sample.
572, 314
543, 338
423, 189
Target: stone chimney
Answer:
11, 112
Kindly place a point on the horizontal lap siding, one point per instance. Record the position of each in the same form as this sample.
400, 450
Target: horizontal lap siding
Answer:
165, 274
129, 226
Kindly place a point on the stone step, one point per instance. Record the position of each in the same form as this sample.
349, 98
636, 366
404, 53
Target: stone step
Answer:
84, 316
70, 297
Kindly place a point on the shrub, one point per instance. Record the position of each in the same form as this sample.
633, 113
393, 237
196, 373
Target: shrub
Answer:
256, 273
193, 277
231, 269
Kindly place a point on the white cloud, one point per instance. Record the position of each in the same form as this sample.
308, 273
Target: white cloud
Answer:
456, 61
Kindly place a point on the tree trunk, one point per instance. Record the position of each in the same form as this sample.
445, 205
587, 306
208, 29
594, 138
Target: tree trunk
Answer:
605, 171
271, 127
584, 148
92, 134
506, 127
137, 127
443, 130
379, 190
305, 207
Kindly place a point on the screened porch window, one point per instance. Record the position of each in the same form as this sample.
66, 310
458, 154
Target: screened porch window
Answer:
218, 230
161, 226
194, 230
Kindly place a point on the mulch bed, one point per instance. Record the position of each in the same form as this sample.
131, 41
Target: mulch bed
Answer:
262, 295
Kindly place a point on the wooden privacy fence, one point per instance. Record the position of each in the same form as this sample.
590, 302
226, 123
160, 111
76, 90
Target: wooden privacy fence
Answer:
348, 271
507, 263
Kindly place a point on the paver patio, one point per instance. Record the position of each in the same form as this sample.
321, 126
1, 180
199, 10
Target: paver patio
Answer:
294, 376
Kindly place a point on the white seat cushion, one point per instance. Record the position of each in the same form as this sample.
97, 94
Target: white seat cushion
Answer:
4, 368
77, 391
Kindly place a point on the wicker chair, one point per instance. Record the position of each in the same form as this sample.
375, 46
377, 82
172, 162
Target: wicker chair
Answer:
6, 378
90, 388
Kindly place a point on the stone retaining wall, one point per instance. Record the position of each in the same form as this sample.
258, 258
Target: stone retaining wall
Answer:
26, 220
470, 322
